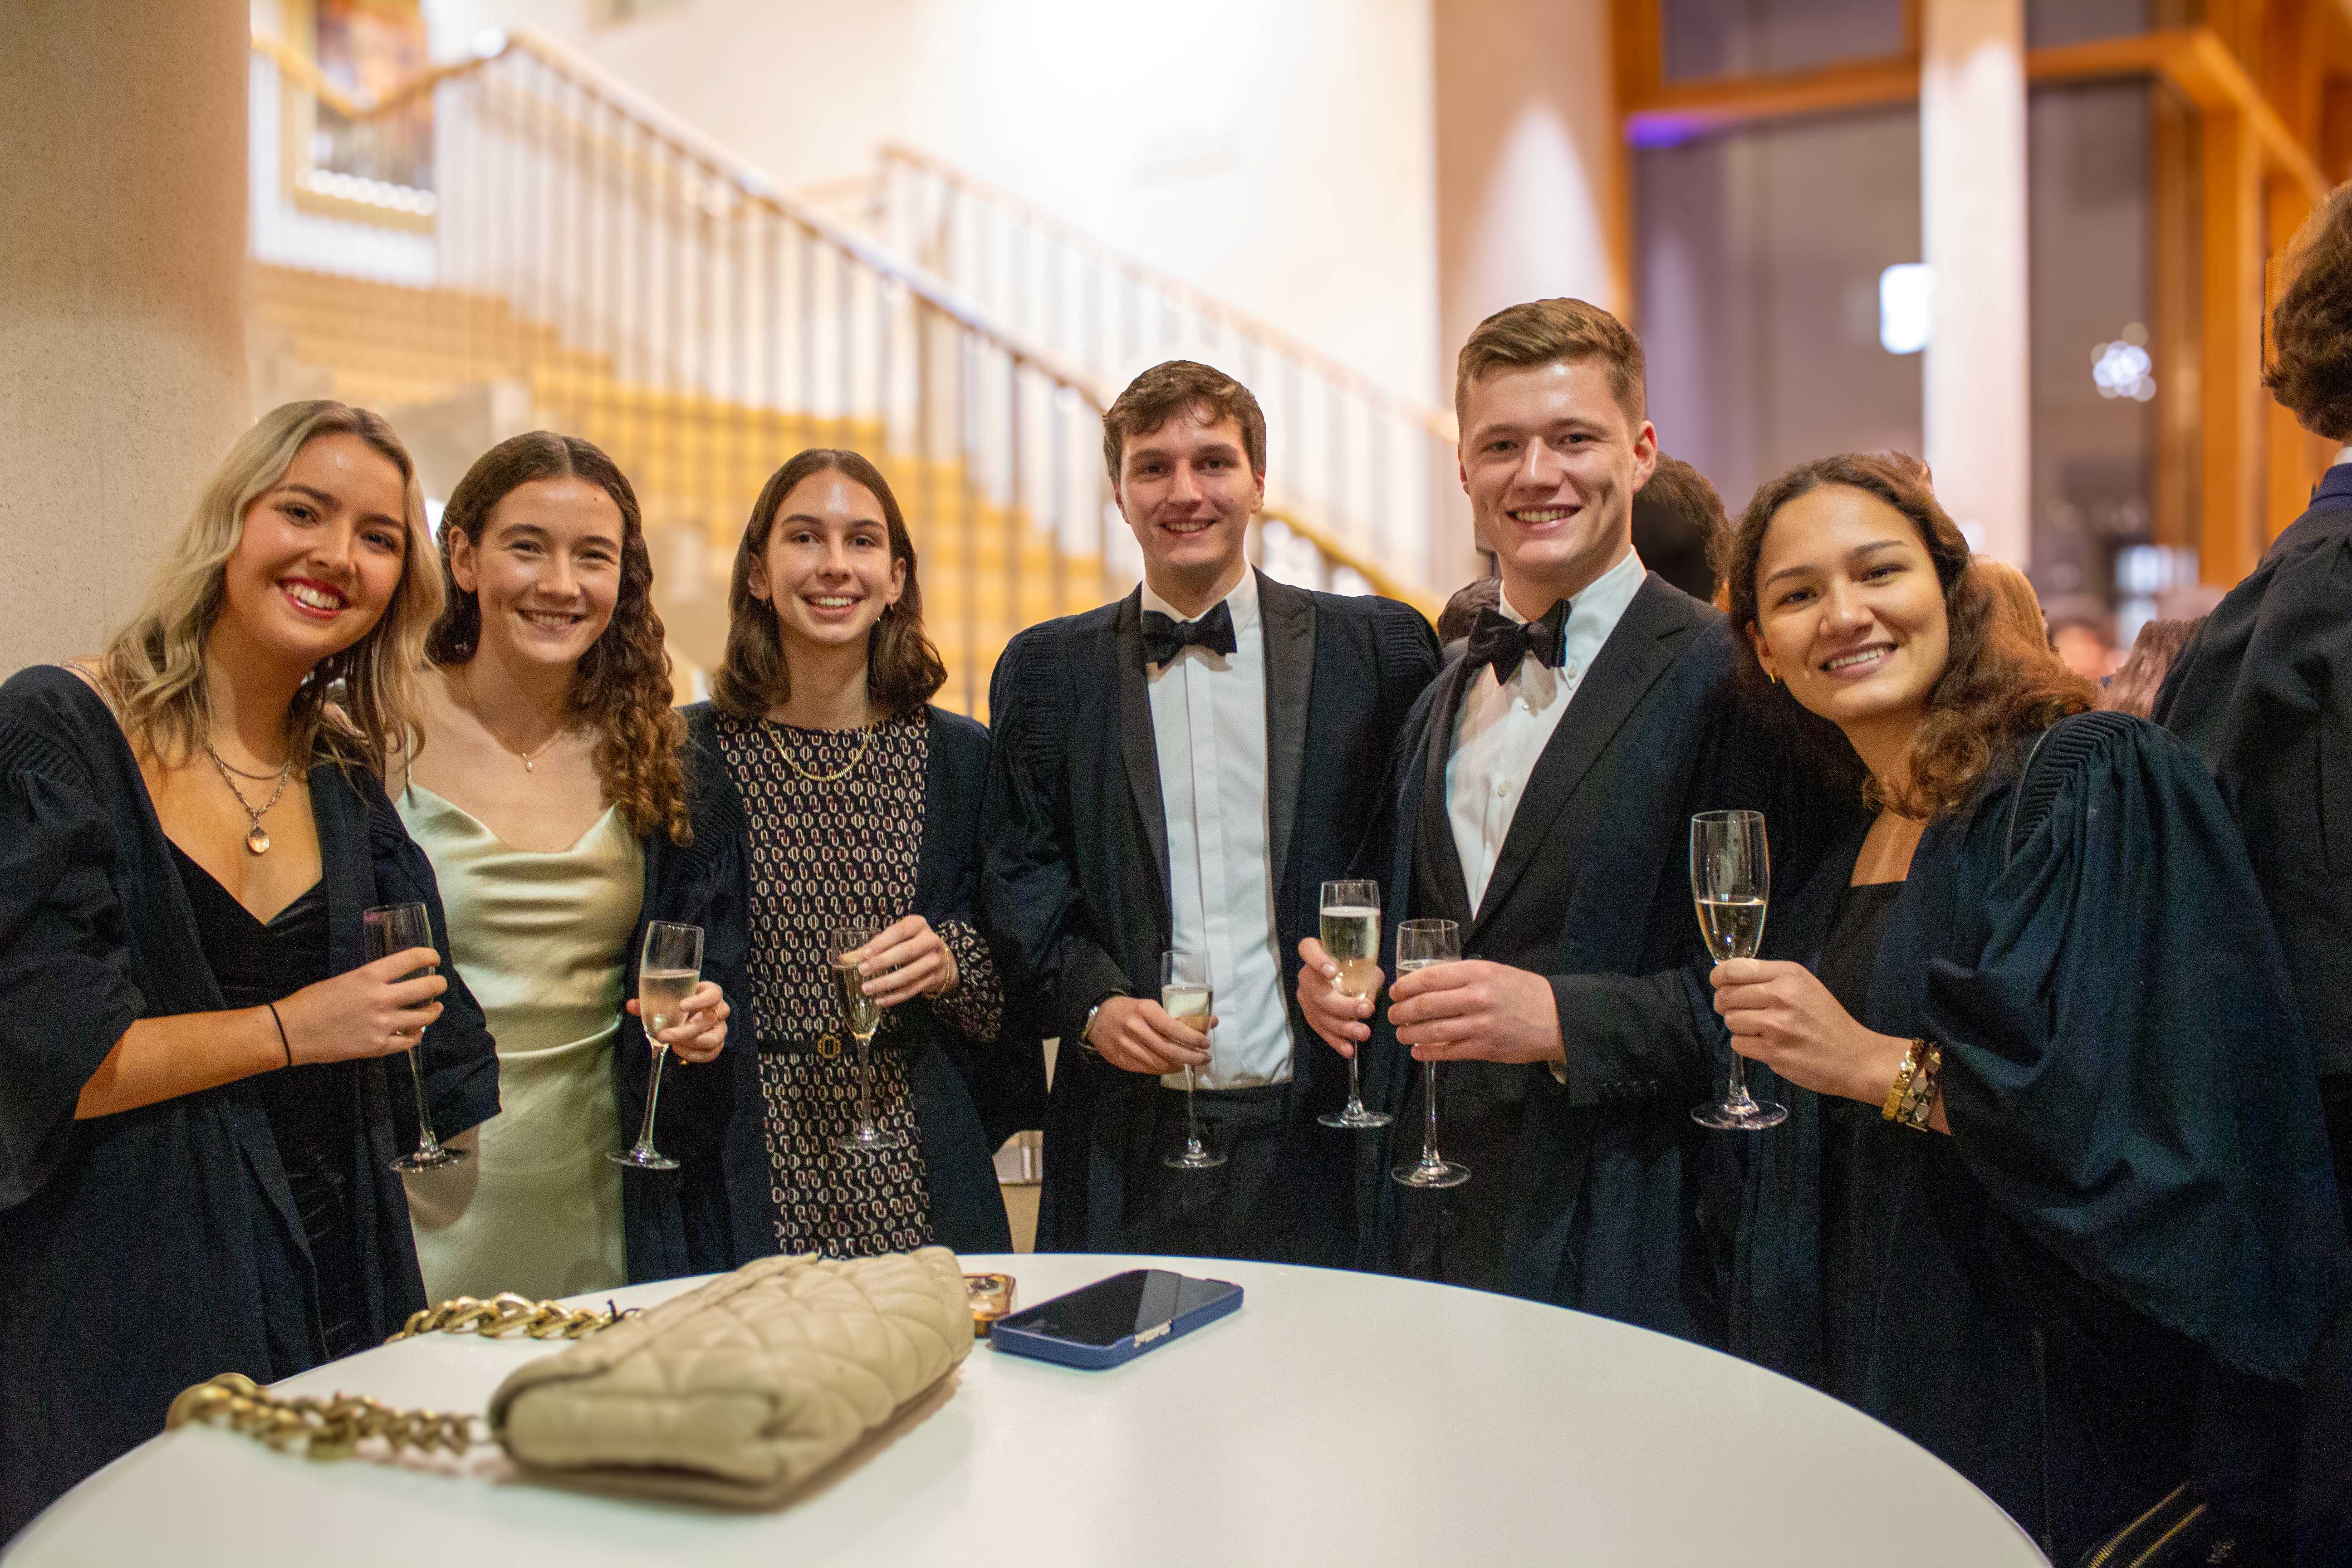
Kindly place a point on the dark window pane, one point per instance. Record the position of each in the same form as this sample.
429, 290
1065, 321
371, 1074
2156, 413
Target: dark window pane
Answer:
2097, 367
2048, 22
1760, 255
1751, 38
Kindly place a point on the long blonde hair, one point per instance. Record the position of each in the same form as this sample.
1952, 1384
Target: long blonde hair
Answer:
357, 706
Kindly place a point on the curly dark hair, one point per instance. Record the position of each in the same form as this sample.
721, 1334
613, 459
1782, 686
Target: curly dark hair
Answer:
1994, 688
2310, 371
903, 669
622, 685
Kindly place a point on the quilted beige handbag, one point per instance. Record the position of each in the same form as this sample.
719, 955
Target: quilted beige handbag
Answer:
737, 1392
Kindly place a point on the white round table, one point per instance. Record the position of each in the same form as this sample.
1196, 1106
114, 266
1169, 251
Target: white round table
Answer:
1335, 1418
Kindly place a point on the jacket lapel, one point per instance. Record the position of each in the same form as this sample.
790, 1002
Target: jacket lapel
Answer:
1136, 744
1287, 617
1630, 663
1429, 828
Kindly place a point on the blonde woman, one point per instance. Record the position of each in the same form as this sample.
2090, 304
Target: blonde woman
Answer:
195, 1129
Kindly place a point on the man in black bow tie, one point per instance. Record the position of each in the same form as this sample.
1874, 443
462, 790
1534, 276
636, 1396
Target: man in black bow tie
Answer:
1182, 770
1544, 792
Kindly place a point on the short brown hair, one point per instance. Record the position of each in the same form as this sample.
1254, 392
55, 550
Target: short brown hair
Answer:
902, 668
1183, 386
1994, 689
1461, 612
2310, 371
1551, 332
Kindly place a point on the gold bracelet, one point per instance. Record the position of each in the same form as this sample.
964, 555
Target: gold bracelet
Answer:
1904, 1076
1919, 1101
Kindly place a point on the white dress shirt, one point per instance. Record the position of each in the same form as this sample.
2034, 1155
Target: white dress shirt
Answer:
1208, 724
2343, 455
1503, 727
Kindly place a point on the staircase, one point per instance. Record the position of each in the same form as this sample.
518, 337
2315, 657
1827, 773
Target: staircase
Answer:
600, 269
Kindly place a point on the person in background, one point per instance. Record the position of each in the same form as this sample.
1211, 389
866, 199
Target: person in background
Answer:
2085, 639
200, 1090
1678, 519
863, 809
1542, 802
1182, 770
563, 809
2053, 1199
1461, 612
2133, 688
2016, 608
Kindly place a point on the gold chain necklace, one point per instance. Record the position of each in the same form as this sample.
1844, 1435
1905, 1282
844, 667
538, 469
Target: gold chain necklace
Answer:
257, 840
530, 759
847, 768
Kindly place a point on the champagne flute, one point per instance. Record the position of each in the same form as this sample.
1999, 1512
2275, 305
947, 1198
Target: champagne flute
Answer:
1421, 943
863, 1015
1731, 878
1186, 995
1351, 935
388, 929
669, 966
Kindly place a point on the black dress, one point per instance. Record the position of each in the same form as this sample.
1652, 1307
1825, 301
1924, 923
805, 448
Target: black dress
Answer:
150, 1249
2108, 1277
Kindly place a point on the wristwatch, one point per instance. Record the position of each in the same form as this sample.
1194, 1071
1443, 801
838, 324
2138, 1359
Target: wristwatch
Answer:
1088, 1029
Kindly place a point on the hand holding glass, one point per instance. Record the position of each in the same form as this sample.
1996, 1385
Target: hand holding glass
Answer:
394, 928
668, 969
862, 1014
1187, 996
1420, 944
1731, 878
1351, 935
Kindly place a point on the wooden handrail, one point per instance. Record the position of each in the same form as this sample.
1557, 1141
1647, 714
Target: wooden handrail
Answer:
1438, 421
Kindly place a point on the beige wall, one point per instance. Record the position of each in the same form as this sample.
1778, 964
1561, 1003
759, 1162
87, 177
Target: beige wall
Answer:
1527, 140
1276, 154
122, 371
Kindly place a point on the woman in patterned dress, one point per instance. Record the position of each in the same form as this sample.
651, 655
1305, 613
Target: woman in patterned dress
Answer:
862, 806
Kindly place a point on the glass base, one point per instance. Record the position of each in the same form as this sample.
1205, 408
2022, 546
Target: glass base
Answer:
1355, 1113
1195, 1156
429, 1159
1429, 1173
871, 1141
1741, 1115
642, 1160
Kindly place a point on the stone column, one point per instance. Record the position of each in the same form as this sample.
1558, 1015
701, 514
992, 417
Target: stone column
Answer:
123, 247
1972, 198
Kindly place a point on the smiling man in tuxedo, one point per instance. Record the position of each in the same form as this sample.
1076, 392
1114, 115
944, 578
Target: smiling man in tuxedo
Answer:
1183, 769
1544, 792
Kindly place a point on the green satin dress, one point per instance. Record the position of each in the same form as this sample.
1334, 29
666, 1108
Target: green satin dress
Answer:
542, 939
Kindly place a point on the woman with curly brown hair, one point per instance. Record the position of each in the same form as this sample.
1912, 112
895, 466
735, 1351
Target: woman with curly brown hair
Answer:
863, 802
2053, 1199
563, 809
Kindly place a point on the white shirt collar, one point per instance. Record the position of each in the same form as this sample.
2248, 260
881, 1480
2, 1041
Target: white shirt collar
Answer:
1604, 598
1242, 603
2343, 455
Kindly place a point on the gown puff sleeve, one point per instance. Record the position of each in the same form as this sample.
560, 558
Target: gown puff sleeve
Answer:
67, 987
2124, 1071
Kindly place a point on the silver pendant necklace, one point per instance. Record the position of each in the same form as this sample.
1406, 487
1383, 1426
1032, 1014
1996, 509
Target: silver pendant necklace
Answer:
257, 840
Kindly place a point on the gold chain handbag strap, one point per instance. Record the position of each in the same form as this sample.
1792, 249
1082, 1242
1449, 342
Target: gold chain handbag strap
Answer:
333, 1427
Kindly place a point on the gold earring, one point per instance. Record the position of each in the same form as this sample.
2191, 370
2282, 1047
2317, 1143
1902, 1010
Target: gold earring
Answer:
1771, 678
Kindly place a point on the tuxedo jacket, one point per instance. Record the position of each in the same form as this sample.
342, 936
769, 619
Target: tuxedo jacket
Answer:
1610, 1178
1076, 884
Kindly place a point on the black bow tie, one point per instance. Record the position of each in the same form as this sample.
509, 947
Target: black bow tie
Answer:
1164, 639
1496, 640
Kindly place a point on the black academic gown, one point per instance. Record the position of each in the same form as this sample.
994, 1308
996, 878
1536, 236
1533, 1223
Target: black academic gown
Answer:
2106, 1280
1596, 1186
2264, 692
968, 1095
1077, 877
711, 1214
154, 1248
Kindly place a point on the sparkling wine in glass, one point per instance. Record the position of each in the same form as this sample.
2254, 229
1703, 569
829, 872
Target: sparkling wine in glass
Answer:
1420, 944
669, 967
1187, 996
394, 928
1731, 878
862, 1016
1351, 935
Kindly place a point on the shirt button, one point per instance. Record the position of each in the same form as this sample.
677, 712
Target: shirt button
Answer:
1502, 788
1568, 670
1525, 705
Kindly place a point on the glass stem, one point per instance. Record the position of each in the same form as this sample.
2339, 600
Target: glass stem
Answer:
1429, 1113
864, 1084
1739, 1094
1191, 1113
1355, 1085
426, 1143
653, 1098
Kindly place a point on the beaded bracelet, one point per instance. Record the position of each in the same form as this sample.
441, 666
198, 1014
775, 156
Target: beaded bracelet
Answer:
1900, 1090
1919, 1100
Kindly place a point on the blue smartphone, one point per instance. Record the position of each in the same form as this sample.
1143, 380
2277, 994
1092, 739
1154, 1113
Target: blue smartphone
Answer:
1115, 1319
